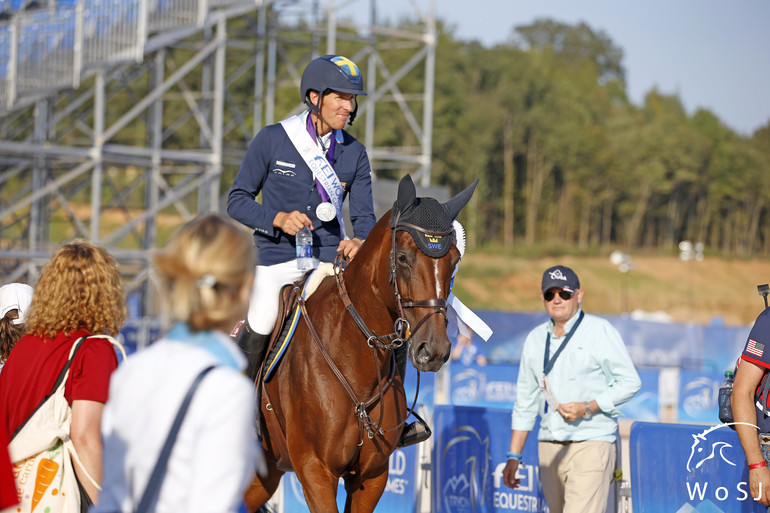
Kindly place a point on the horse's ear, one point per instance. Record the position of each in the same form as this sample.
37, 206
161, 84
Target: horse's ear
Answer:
456, 204
407, 194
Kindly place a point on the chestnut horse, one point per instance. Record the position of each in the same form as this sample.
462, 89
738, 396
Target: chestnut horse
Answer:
335, 406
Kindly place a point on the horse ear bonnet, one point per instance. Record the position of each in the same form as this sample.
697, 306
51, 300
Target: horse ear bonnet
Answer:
435, 218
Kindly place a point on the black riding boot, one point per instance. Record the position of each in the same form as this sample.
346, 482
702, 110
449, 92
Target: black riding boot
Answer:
254, 346
417, 431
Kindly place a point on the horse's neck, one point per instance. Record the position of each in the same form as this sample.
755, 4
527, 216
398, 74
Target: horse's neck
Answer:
369, 288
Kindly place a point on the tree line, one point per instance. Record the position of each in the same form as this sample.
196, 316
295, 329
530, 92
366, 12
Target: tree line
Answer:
565, 158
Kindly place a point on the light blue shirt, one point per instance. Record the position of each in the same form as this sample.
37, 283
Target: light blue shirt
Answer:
216, 343
593, 365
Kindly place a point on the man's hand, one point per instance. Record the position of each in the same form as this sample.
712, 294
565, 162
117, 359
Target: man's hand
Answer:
349, 248
292, 222
572, 411
509, 474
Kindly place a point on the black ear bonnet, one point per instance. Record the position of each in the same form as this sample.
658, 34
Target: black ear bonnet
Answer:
428, 221
431, 216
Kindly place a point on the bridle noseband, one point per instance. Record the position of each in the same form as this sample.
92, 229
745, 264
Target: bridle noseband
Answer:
438, 305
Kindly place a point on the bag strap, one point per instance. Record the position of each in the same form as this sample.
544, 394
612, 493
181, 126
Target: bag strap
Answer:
159, 472
59, 380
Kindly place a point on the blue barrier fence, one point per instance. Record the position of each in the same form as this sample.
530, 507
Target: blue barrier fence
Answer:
680, 366
688, 468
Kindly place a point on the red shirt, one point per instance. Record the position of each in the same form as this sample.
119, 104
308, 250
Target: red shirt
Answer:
7, 483
31, 370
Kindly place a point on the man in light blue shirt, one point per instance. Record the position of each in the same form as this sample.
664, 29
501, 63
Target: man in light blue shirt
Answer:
575, 372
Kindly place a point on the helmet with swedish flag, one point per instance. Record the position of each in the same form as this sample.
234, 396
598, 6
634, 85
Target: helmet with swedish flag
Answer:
332, 73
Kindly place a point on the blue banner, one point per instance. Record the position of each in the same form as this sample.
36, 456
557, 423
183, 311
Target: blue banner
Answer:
469, 456
711, 348
645, 405
698, 394
688, 468
494, 386
491, 386
400, 492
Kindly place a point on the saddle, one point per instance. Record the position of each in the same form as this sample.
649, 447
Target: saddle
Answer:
286, 323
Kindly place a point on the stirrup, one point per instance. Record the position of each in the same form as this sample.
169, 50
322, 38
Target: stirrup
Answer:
414, 433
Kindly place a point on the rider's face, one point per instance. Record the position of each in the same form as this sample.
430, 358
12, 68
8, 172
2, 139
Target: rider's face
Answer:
335, 110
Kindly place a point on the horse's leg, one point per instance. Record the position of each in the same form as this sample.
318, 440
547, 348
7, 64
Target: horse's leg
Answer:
363, 497
319, 487
262, 488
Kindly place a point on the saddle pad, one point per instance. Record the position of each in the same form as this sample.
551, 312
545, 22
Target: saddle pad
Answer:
287, 332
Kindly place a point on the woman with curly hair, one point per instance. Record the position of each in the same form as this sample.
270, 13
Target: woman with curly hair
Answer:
79, 293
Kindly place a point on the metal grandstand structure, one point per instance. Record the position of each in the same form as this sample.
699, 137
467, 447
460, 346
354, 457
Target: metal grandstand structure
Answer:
121, 119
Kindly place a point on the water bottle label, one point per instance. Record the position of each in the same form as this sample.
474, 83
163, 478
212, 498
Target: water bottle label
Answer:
304, 251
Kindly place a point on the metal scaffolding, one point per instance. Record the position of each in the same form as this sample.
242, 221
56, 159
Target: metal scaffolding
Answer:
122, 119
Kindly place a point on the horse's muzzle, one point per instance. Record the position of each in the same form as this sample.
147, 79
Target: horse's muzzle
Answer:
429, 356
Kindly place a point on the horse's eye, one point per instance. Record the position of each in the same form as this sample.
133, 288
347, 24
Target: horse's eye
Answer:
402, 259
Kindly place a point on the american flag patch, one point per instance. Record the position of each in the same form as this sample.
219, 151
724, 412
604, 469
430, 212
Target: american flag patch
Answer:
755, 348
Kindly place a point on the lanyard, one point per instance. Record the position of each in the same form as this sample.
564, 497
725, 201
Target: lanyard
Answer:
548, 365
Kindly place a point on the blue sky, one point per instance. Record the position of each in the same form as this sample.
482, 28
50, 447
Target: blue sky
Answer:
711, 53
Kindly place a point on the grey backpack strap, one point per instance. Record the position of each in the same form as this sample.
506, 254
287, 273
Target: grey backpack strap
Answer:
159, 472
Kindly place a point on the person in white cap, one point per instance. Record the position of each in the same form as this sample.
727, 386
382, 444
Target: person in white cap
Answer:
14, 301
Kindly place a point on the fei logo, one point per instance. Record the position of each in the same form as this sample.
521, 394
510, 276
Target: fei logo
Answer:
464, 491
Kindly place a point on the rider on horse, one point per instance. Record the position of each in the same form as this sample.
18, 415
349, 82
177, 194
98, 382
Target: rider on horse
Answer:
304, 167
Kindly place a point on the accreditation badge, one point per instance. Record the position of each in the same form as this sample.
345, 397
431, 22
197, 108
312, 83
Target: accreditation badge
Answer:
325, 211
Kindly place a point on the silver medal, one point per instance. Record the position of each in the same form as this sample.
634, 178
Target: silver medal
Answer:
325, 211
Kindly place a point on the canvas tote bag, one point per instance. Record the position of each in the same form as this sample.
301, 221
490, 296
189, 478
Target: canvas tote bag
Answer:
42, 452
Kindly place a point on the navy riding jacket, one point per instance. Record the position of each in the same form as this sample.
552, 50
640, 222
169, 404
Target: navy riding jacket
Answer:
274, 167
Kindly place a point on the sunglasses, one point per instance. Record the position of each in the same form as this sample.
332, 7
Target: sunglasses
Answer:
550, 294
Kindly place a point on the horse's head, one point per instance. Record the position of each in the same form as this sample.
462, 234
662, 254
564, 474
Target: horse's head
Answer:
422, 263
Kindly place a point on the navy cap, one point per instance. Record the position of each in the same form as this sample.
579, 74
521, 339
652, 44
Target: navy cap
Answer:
561, 277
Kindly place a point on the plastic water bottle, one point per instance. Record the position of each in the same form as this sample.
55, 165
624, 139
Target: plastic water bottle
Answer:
725, 389
304, 240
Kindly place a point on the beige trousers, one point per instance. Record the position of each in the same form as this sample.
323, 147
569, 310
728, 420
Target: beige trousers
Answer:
576, 476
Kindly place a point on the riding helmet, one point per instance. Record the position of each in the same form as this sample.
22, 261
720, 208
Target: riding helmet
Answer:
332, 73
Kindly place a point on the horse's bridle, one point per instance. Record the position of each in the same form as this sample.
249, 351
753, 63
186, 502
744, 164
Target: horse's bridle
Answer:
401, 333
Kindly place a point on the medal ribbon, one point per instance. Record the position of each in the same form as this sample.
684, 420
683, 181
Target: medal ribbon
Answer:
311, 153
329, 155
548, 364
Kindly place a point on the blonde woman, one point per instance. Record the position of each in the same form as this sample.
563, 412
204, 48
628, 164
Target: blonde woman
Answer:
205, 275
79, 293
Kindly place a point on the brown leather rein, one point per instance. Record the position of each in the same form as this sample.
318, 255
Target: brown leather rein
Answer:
402, 333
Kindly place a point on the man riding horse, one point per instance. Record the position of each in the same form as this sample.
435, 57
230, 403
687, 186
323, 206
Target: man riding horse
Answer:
304, 168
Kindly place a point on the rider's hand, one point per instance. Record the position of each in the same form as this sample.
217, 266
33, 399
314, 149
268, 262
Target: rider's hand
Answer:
349, 248
292, 222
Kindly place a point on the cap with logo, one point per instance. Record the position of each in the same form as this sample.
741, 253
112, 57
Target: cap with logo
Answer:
560, 277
